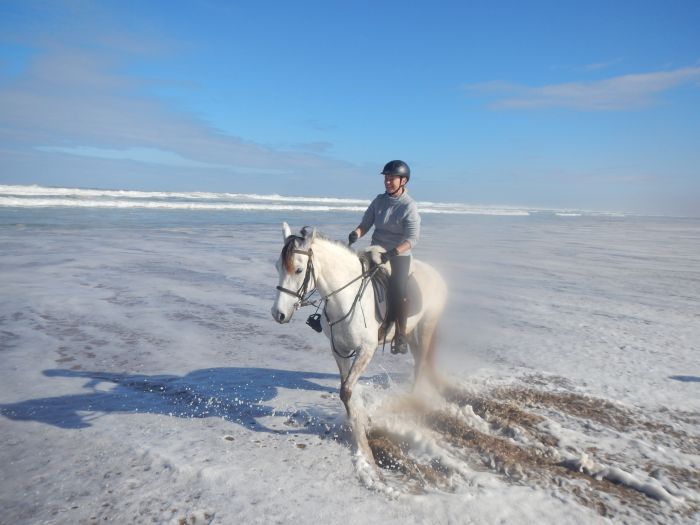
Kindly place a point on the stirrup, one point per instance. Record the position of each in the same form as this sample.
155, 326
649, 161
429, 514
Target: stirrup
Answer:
399, 345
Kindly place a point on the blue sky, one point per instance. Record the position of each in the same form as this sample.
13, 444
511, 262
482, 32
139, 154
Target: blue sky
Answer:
592, 105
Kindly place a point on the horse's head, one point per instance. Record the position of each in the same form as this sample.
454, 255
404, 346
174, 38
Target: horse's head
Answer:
295, 273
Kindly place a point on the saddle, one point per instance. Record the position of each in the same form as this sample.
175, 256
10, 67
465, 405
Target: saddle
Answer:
380, 284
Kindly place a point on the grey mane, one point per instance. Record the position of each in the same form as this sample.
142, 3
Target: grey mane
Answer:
306, 232
293, 242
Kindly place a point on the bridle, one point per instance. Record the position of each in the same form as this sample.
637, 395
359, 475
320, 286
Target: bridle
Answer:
304, 295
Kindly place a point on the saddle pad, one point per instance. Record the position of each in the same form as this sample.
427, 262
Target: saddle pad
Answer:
380, 283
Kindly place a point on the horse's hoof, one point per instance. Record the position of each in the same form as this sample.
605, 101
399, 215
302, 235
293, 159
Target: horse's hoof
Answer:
367, 472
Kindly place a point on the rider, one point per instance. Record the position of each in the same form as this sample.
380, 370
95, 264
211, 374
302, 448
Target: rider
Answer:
396, 222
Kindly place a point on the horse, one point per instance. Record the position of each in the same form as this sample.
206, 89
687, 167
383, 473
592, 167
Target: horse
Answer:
309, 262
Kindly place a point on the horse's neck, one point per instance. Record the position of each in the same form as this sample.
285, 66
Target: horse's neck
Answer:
335, 266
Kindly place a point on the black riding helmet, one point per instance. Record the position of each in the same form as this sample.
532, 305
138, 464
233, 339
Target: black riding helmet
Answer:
398, 168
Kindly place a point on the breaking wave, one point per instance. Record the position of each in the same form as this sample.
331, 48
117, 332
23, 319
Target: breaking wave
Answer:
25, 196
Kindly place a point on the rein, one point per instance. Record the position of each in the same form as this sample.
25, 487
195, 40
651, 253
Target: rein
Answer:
304, 295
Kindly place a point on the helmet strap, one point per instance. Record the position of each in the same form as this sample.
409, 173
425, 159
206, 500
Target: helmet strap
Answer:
400, 188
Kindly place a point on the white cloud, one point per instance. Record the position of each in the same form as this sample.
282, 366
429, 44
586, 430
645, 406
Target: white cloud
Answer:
153, 156
600, 65
77, 101
617, 93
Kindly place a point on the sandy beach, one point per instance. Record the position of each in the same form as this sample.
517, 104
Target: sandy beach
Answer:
144, 380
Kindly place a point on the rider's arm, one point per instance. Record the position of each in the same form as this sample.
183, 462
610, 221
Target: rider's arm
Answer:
411, 228
404, 246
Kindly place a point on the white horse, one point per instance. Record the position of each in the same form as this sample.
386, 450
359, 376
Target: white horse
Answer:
310, 261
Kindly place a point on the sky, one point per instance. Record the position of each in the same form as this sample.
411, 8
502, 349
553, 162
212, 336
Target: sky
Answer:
589, 105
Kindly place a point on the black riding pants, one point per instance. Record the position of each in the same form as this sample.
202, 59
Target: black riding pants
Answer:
397, 282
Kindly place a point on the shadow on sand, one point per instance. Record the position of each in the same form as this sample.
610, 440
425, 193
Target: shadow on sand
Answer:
235, 394
686, 379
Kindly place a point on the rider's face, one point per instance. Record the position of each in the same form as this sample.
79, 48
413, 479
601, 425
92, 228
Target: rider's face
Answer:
392, 183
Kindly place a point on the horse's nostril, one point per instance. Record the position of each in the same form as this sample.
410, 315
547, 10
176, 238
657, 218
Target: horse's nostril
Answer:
281, 316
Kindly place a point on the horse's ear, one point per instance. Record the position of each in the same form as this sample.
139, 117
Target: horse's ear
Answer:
308, 233
286, 231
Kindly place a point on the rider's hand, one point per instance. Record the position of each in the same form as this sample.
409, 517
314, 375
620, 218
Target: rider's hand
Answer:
352, 238
388, 255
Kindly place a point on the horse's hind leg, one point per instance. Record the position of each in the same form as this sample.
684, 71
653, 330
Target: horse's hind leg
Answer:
424, 352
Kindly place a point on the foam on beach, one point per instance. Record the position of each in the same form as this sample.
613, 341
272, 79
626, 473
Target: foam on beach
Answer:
145, 380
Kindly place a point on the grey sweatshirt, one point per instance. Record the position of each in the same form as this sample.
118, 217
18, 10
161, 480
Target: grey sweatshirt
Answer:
395, 219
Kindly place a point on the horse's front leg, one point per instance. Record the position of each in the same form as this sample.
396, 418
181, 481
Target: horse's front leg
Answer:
348, 382
357, 416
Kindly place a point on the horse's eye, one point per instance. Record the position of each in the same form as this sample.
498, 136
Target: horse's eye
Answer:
298, 270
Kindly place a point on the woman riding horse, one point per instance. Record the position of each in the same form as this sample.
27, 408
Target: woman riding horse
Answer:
396, 222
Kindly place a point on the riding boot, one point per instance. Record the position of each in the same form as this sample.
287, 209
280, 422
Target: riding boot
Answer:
400, 343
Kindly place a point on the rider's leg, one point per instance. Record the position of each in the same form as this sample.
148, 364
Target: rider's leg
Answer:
400, 266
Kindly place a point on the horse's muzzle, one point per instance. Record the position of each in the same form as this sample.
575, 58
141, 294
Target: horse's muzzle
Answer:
280, 317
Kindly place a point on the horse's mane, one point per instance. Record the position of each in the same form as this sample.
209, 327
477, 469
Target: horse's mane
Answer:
336, 242
290, 244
